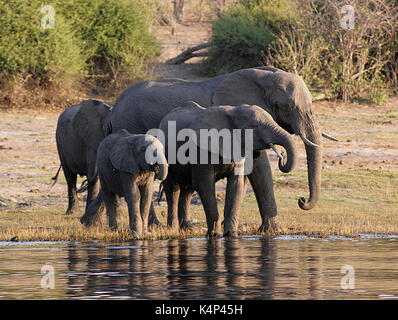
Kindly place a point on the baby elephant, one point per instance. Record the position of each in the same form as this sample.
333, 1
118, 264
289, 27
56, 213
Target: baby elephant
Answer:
127, 166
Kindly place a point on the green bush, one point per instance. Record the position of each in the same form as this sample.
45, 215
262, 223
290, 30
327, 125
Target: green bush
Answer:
350, 64
114, 34
306, 37
95, 38
244, 32
27, 48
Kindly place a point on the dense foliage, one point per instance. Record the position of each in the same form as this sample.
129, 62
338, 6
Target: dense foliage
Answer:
25, 47
242, 34
114, 35
90, 38
349, 61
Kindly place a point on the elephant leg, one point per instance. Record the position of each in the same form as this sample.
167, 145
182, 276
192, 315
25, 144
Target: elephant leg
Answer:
262, 184
93, 186
204, 181
92, 215
153, 219
184, 203
132, 195
146, 192
73, 201
92, 190
172, 192
119, 209
110, 200
233, 200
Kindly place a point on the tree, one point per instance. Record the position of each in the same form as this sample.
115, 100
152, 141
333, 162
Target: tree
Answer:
178, 10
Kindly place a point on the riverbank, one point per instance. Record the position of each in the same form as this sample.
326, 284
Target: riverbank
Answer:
359, 186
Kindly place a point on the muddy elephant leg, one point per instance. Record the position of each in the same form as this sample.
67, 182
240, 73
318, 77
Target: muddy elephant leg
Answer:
110, 200
132, 195
92, 190
153, 219
233, 200
172, 192
119, 204
262, 184
204, 181
146, 192
93, 185
184, 203
73, 201
92, 215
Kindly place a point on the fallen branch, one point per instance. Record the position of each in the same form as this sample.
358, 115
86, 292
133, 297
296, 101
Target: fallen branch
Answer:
190, 53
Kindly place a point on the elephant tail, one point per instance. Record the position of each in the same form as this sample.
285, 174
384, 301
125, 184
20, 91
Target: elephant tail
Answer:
83, 186
55, 178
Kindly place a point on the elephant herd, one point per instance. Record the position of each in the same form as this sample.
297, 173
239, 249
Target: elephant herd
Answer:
122, 149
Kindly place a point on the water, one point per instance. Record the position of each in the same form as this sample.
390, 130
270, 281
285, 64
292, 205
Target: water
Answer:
285, 267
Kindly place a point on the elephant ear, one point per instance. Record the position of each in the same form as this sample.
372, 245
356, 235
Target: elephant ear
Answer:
243, 87
217, 118
88, 121
106, 112
122, 155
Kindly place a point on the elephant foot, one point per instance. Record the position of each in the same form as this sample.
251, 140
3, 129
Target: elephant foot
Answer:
85, 221
88, 221
155, 226
70, 211
231, 234
213, 235
154, 222
270, 225
186, 225
135, 235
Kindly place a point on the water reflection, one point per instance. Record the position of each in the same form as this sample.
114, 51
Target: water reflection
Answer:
244, 268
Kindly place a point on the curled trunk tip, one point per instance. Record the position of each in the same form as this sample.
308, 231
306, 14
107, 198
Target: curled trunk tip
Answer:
306, 205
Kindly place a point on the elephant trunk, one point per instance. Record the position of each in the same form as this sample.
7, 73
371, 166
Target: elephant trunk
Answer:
288, 144
314, 165
284, 139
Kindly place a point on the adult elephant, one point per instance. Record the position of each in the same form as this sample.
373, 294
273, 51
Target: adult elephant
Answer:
197, 163
282, 94
80, 129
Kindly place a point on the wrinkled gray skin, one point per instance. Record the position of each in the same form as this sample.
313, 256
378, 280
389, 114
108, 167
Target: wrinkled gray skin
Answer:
80, 129
283, 95
183, 179
124, 171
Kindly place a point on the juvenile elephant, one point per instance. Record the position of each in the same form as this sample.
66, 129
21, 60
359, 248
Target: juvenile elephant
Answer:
80, 129
198, 173
127, 166
282, 94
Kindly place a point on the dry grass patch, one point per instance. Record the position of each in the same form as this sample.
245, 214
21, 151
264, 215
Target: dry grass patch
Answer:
353, 201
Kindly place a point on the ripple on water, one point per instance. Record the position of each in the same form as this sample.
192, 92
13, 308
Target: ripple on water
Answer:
254, 267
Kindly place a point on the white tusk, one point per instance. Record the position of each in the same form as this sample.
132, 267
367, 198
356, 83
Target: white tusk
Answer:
327, 136
280, 156
308, 142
